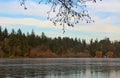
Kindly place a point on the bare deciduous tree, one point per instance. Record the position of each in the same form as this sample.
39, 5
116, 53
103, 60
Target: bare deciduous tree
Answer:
69, 12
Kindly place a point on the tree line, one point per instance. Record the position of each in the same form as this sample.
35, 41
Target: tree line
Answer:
18, 44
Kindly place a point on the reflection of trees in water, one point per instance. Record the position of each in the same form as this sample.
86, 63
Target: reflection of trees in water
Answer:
56, 71
42, 71
79, 69
105, 68
21, 72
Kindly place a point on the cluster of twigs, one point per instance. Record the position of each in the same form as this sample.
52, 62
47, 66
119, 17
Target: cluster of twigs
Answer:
69, 12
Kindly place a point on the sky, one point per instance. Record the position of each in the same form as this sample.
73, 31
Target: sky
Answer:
106, 15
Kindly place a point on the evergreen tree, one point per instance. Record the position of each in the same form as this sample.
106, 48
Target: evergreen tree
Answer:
92, 48
5, 33
1, 34
19, 44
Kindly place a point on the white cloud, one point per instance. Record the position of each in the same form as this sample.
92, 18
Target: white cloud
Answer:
112, 6
14, 7
100, 26
26, 22
36, 9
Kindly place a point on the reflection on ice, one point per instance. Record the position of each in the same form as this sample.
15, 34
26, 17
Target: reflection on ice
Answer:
60, 68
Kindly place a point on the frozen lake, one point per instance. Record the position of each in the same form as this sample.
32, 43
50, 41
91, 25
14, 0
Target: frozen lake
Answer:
60, 68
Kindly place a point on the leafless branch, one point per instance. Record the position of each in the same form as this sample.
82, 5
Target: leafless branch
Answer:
67, 13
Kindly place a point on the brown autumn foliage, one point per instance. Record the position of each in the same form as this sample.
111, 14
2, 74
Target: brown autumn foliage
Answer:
98, 54
110, 54
1, 53
78, 55
41, 51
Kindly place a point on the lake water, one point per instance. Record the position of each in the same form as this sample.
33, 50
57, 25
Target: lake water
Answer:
60, 68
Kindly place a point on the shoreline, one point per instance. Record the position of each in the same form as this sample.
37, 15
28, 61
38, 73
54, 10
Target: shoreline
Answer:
55, 57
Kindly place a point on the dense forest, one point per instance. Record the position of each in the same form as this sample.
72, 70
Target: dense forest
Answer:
17, 44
